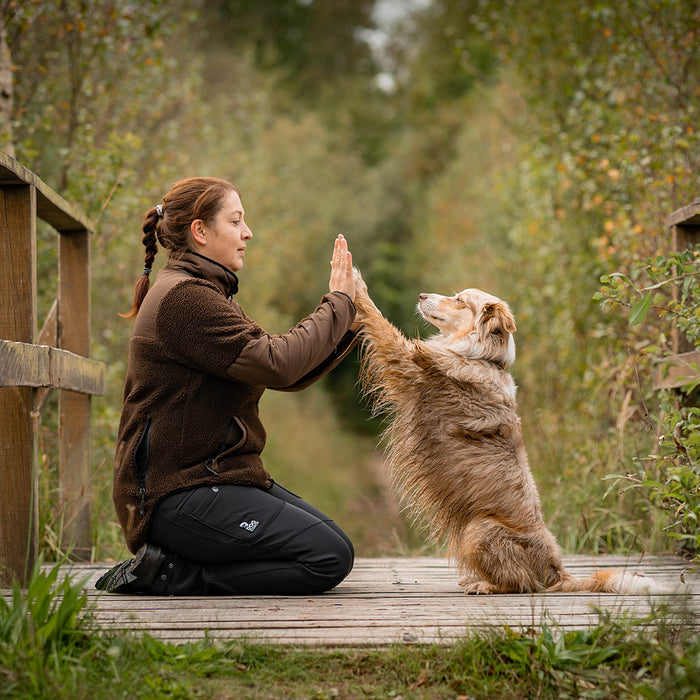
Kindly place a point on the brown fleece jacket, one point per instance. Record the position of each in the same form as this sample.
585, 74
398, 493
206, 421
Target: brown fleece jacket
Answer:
189, 416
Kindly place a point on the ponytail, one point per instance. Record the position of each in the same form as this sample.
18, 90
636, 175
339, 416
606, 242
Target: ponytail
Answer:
149, 240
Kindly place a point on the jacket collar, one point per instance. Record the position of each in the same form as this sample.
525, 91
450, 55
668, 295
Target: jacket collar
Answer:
205, 268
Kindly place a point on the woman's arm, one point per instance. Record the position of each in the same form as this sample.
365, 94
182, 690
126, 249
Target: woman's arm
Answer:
296, 359
306, 352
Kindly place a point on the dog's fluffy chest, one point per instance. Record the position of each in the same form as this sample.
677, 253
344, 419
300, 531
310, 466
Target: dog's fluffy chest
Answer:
482, 377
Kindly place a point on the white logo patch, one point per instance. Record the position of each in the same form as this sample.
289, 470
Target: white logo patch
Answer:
249, 526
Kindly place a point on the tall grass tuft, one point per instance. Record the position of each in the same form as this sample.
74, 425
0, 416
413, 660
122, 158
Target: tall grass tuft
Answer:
39, 628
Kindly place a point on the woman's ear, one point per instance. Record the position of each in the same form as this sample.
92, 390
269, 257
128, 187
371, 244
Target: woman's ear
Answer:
198, 233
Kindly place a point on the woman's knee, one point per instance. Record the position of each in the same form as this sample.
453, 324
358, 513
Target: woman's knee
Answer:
330, 557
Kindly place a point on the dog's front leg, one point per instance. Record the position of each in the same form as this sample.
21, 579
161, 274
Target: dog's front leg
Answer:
383, 338
390, 360
364, 305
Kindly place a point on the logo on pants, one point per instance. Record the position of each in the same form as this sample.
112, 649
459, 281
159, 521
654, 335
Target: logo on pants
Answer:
249, 526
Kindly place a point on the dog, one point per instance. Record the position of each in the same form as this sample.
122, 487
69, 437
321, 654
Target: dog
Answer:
455, 449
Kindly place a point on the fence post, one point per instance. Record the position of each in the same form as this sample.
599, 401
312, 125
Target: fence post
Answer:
32, 363
19, 522
74, 452
674, 371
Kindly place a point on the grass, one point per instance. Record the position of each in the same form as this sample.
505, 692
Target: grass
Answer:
49, 648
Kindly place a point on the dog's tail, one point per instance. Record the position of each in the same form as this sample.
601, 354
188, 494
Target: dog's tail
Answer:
609, 581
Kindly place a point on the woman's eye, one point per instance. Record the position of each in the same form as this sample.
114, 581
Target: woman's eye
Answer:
235, 223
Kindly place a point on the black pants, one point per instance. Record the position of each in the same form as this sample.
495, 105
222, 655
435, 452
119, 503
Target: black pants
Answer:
241, 540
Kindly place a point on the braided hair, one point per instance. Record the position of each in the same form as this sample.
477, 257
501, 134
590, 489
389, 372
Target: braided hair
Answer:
168, 224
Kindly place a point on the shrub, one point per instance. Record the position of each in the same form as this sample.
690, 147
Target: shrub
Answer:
669, 477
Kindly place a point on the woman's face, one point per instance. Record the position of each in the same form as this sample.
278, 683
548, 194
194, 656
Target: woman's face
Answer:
225, 238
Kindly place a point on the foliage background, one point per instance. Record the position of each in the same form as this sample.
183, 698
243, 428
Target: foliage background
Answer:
524, 147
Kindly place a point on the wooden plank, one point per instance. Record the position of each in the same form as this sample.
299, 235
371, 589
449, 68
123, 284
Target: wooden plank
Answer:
685, 216
19, 525
50, 206
676, 371
23, 364
74, 446
685, 234
48, 335
392, 600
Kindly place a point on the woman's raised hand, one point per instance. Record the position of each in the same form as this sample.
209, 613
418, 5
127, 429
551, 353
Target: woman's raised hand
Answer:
342, 279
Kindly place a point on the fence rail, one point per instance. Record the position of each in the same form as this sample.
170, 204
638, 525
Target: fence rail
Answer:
34, 361
676, 370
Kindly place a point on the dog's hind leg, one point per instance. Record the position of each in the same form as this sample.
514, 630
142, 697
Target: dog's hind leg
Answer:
496, 559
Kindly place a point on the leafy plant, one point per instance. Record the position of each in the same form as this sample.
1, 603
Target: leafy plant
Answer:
40, 625
670, 476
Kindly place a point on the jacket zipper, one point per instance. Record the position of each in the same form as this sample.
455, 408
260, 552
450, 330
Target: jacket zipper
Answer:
141, 465
142, 492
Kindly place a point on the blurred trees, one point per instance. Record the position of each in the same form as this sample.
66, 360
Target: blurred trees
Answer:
98, 87
309, 44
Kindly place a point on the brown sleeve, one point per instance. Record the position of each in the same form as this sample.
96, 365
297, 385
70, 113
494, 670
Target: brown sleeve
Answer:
200, 328
295, 359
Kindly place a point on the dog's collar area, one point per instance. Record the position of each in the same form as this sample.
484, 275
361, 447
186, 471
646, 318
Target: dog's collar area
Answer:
499, 363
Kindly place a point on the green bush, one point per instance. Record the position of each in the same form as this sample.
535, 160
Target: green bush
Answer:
670, 476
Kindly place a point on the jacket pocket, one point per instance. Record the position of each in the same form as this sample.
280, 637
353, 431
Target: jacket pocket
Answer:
141, 458
236, 435
234, 438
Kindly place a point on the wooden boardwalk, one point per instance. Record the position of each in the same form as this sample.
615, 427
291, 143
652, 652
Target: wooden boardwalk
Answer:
390, 600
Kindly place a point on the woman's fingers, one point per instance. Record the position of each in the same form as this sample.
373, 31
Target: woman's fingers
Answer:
340, 248
341, 269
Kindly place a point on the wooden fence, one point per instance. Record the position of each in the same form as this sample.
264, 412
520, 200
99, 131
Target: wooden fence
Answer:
675, 371
34, 361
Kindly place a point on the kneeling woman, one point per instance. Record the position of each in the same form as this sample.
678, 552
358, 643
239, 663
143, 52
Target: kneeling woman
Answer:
197, 507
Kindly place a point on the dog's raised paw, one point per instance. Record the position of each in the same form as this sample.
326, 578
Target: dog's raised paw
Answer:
360, 285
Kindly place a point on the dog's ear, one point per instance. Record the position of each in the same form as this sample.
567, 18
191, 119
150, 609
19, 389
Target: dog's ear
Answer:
495, 318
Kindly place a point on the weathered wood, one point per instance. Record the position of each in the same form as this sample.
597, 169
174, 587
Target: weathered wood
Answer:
390, 600
19, 525
74, 452
48, 335
685, 216
677, 370
50, 206
24, 364
685, 233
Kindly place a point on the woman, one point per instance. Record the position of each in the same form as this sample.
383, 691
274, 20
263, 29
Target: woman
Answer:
193, 498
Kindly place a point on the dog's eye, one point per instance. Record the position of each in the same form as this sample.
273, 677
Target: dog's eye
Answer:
459, 303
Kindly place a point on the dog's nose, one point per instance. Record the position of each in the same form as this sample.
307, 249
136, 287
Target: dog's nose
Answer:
422, 296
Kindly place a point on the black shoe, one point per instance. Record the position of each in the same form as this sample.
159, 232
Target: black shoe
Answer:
133, 575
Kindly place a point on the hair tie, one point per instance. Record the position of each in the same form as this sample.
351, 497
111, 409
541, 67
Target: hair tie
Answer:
146, 271
159, 210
